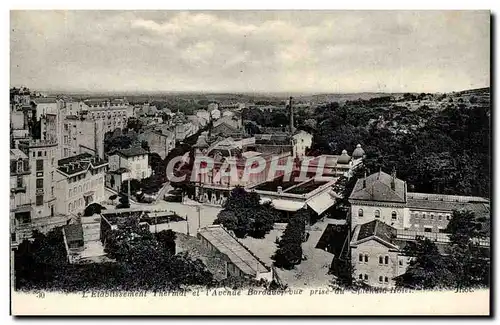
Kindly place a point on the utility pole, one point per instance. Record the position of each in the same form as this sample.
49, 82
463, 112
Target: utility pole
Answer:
199, 217
128, 190
187, 224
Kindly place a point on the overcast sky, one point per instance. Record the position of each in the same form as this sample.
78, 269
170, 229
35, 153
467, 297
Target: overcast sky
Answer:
301, 51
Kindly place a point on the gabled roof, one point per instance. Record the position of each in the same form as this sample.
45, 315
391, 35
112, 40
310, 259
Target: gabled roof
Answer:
130, 152
79, 163
375, 230
378, 187
378, 229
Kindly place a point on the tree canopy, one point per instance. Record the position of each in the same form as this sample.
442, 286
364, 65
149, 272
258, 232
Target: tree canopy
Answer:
463, 263
244, 214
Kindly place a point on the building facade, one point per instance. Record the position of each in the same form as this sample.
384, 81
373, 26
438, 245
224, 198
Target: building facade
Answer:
79, 182
82, 135
134, 160
384, 217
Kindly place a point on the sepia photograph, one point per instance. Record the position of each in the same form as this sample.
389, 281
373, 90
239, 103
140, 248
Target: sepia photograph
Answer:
250, 162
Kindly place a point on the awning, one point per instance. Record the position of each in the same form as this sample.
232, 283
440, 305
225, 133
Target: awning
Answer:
264, 200
288, 205
320, 203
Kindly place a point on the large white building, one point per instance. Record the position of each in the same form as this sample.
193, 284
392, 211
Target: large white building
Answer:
112, 112
384, 216
79, 182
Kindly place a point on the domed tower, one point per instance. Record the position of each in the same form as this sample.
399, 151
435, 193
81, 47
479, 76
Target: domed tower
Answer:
358, 152
344, 158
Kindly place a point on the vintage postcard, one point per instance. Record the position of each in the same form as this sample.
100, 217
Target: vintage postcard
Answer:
250, 162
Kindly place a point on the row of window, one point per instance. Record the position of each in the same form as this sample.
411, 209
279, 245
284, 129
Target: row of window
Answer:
39, 153
75, 205
381, 259
77, 190
383, 279
108, 114
363, 276
394, 214
83, 176
423, 215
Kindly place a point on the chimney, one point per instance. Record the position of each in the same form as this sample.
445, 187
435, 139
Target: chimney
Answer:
292, 128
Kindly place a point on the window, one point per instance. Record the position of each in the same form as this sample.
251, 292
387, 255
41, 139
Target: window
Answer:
69, 193
19, 166
441, 230
440, 217
360, 212
377, 213
361, 257
366, 258
80, 189
366, 277
394, 215
386, 279
432, 216
39, 153
423, 215
427, 229
33, 154
52, 191
448, 217
39, 183
19, 181
39, 200
401, 263
39, 165
380, 260
361, 276
45, 153
380, 278
386, 260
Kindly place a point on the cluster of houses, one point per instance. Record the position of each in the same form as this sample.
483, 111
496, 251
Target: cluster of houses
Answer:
58, 167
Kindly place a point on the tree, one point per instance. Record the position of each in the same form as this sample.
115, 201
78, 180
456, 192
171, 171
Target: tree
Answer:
166, 238
124, 202
244, 214
156, 164
427, 269
289, 251
135, 186
468, 260
93, 208
145, 145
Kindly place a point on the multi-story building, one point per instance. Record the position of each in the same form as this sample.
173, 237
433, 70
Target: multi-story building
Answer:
302, 141
79, 181
20, 201
42, 155
82, 135
160, 141
384, 216
113, 112
131, 163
